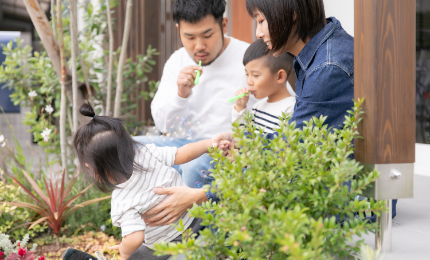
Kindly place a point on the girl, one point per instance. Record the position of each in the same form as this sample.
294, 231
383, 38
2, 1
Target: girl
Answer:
114, 161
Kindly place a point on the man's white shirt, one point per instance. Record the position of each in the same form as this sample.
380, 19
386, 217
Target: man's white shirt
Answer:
206, 112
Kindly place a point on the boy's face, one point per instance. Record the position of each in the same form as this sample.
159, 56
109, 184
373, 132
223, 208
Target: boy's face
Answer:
261, 81
203, 40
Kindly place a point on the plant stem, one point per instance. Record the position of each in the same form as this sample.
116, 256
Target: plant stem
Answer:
109, 77
63, 88
119, 78
53, 18
74, 47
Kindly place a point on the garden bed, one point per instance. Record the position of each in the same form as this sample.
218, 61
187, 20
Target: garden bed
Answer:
89, 243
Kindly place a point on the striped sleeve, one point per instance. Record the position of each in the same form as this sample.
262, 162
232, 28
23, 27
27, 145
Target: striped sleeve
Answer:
165, 155
130, 222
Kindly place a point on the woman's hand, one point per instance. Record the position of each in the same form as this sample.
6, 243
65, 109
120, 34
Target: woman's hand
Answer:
241, 102
179, 201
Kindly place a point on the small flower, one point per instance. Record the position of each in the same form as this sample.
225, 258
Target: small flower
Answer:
21, 251
3, 144
45, 134
1, 255
103, 227
32, 94
41, 258
1, 138
49, 109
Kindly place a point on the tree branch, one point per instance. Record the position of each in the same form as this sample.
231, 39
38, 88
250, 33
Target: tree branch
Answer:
109, 77
122, 57
63, 87
74, 48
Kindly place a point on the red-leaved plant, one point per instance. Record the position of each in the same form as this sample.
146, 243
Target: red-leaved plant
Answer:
23, 254
52, 207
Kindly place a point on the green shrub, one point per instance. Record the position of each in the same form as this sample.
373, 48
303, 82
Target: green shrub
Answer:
291, 202
15, 221
94, 217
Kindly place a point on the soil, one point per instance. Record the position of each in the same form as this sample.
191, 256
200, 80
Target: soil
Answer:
89, 243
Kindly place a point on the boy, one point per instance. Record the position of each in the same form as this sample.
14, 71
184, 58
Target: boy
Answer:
266, 77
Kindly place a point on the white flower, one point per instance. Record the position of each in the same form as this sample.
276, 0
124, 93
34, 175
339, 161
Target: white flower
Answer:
3, 144
103, 227
32, 94
49, 109
45, 134
1, 138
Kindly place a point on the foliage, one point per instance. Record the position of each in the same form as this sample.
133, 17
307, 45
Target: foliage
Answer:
286, 198
54, 206
367, 253
10, 250
89, 242
14, 220
27, 71
84, 220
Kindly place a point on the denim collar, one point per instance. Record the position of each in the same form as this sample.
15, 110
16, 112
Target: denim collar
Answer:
308, 52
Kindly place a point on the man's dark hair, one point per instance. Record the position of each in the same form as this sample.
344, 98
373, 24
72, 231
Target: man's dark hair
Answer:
258, 49
105, 145
279, 14
192, 11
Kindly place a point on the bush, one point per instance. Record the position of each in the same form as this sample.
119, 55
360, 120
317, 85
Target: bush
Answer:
15, 221
292, 201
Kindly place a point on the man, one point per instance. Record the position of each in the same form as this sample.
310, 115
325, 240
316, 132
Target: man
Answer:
185, 112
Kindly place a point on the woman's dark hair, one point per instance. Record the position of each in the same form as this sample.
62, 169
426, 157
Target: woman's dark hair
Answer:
258, 49
279, 14
108, 149
192, 11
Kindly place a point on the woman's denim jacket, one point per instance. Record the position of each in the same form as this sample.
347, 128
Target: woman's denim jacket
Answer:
325, 78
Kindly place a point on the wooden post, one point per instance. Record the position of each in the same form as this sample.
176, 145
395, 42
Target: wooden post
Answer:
242, 28
384, 61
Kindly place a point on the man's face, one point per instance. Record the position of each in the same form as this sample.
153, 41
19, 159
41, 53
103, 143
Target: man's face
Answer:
203, 40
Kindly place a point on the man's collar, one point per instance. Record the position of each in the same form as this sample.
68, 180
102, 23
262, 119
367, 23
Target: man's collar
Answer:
308, 52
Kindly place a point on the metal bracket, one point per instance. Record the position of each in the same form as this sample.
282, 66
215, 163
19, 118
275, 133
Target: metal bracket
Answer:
396, 181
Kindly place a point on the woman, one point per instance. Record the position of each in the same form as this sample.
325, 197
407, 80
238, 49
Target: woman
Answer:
324, 63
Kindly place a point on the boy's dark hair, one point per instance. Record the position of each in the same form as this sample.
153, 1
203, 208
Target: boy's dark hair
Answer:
310, 18
192, 11
106, 146
258, 49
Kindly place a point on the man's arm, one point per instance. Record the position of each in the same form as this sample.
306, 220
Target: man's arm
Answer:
172, 97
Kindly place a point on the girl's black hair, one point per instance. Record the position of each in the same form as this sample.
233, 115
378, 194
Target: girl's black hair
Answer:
279, 14
108, 149
258, 49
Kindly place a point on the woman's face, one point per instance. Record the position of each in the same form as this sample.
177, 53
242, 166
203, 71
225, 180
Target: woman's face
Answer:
262, 31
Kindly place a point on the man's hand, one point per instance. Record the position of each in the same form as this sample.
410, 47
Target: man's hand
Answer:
241, 102
186, 80
179, 201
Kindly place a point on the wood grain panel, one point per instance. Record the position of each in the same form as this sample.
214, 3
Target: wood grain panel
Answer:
241, 21
384, 55
364, 78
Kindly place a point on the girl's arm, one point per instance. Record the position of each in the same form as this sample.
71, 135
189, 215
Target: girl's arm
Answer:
192, 151
131, 243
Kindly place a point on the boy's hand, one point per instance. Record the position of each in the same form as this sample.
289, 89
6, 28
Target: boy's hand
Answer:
241, 102
186, 80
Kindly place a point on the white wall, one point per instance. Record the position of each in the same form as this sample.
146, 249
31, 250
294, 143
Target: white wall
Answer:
343, 10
